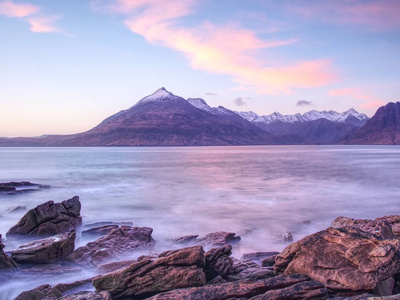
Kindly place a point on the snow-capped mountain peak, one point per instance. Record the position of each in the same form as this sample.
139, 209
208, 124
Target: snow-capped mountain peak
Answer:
160, 95
200, 104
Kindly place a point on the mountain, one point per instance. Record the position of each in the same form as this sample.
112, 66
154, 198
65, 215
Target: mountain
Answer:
382, 129
162, 119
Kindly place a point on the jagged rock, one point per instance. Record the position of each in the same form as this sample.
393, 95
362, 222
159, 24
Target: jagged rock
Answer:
232, 290
241, 265
299, 291
172, 270
185, 240
114, 245
49, 219
45, 251
218, 239
6, 262
345, 258
38, 293
218, 262
258, 257
99, 231
269, 261
111, 267
256, 273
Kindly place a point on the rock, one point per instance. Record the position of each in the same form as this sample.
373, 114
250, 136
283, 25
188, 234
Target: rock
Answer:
256, 273
37, 294
45, 251
299, 291
269, 261
99, 231
6, 262
17, 209
99, 224
283, 236
385, 287
218, 239
218, 262
13, 188
232, 290
49, 219
111, 267
241, 265
45, 270
116, 244
172, 270
185, 240
347, 259
82, 296
258, 257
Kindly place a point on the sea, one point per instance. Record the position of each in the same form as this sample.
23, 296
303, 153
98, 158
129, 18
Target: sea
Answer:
261, 193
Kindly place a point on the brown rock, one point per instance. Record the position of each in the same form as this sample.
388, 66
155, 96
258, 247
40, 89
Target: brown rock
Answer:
300, 291
111, 267
6, 263
185, 240
258, 257
99, 231
345, 258
218, 262
173, 270
49, 219
269, 261
218, 239
46, 251
82, 296
232, 290
114, 245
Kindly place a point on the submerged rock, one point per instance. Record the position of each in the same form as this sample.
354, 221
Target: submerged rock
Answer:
113, 246
258, 257
345, 259
13, 188
185, 240
46, 251
218, 239
49, 219
6, 262
172, 270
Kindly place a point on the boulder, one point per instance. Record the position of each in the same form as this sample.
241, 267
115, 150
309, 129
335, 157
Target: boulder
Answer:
346, 259
99, 231
218, 262
111, 267
172, 270
6, 263
114, 246
46, 251
218, 239
258, 257
269, 261
232, 290
49, 219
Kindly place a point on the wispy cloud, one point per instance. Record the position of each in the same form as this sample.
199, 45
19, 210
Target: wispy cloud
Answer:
39, 23
369, 101
227, 49
383, 14
304, 103
211, 94
240, 101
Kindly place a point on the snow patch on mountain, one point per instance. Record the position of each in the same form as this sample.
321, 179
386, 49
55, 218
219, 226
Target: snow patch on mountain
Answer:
158, 96
201, 104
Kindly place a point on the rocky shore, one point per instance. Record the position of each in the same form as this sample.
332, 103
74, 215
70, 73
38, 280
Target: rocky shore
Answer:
352, 259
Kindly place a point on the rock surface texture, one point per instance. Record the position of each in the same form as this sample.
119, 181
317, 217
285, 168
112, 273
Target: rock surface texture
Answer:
49, 219
45, 251
6, 263
217, 239
344, 259
114, 245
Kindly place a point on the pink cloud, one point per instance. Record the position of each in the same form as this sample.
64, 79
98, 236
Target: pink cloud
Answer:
370, 101
43, 24
227, 49
383, 14
12, 10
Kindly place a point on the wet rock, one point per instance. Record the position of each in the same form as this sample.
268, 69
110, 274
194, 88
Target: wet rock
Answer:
45, 251
302, 290
37, 294
48, 270
172, 270
99, 231
257, 273
82, 296
218, 262
113, 246
232, 290
6, 262
241, 265
218, 239
111, 267
258, 257
269, 261
49, 219
283, 236
13, 188
99, 224
185, 240
346, 259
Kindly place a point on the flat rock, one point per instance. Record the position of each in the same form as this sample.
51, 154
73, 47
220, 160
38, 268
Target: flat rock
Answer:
113, 246
13, 188
345, 259
6, 262
45, 251
82, 296
111, 267
218, 239
99, 231
49, 219
232, 290
172, 270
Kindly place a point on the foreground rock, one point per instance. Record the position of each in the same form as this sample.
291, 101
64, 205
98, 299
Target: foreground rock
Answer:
49, 219
218, 262
172, 270
6, 263
113, 246
47, 250
344, 259
13, 188
249, 289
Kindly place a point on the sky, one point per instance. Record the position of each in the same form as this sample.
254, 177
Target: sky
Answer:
67, 65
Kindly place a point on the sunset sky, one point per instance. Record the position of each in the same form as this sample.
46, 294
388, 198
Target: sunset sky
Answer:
67, 65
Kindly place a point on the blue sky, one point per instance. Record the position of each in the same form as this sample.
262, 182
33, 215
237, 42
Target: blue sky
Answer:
67, 65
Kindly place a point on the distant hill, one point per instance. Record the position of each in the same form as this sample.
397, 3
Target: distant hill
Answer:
382, 129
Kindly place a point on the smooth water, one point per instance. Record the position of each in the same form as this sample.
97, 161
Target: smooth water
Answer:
257, 192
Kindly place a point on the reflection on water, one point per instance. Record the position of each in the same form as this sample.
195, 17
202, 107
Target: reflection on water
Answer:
257, 192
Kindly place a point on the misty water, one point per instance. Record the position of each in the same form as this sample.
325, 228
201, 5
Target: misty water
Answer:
257, 192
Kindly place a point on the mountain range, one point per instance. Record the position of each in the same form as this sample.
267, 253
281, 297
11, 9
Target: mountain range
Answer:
164, 119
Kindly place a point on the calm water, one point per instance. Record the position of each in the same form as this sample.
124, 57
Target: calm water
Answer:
257, 192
